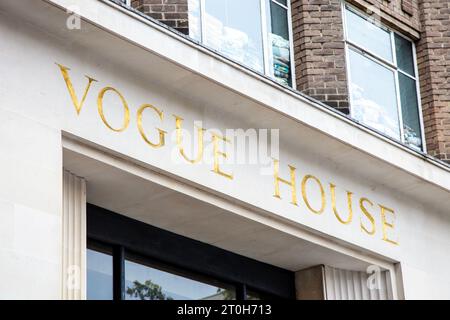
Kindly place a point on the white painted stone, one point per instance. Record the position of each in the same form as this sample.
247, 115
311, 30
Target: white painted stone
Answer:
35, 111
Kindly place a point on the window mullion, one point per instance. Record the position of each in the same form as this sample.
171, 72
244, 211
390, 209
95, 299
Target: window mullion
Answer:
265, 38
118, 273
281, 5
347, 58
407, 74
397, 88
399, 108
372, 56
241, 292
393, 50
344, 20
419, 100
202, 21
291, 47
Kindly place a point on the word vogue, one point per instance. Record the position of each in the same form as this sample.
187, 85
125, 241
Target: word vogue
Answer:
316, 196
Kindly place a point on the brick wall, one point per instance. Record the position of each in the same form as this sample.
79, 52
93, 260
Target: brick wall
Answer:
173, 13
433, 54
319, 51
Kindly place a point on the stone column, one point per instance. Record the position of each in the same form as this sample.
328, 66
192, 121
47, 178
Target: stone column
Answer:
74, 237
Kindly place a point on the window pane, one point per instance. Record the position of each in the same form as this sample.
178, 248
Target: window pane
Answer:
279, 21
99, 276
373, 95
410, 111
368, 35
279, 40
253, 295
233, 27
404, 52
146, 283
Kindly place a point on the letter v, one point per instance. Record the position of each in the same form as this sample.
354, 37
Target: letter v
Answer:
65, 74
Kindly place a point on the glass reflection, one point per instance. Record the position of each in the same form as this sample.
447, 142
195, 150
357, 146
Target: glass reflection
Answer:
147, 283
251, 295
404, 53
280, 45
410, 111
373, 95
233, 27
195, 24
368, 35
99, 276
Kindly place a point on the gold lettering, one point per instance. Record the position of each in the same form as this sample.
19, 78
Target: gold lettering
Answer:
322, 194
276, 165
385, 225
368, 215
78, 105
217, 154
126, 120
162, 133
349, 203
200, 131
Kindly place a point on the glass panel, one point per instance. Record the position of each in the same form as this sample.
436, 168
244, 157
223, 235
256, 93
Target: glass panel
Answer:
279, 21
146, 283
404, 52
279, 43
410, 111
195, 25
99, 276
368, 35
252, 295
373, 95
233, 27
255, 295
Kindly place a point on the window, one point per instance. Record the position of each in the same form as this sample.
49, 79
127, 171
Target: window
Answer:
383, 80
145, 282
255, 33
131, 260
148, 279
99, 275
279, 42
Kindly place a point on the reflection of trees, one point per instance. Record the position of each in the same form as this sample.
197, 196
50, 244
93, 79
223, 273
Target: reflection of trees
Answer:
221, 294
147, 291
226, 294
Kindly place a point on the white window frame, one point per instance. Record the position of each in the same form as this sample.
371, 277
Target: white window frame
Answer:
267, 67
349, 45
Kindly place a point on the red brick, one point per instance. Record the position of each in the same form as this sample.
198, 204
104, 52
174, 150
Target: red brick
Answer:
433, 51
173, 13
